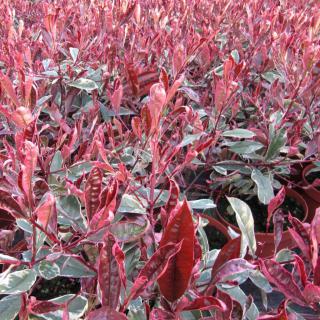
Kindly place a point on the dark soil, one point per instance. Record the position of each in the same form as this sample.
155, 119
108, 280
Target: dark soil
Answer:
215, 238
260, 212
50, 289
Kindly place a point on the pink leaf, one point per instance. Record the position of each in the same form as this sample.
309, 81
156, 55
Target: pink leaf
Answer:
7, 86
28, 169
92, 192
106, 313
109, 274
47, 213
283, 280
275, 203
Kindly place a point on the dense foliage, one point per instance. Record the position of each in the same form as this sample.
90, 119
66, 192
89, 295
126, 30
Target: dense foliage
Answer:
130, 131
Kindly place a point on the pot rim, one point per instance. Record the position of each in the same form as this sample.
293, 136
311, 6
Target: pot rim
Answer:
305, 181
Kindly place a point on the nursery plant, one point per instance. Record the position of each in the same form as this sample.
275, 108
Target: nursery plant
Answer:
140, 142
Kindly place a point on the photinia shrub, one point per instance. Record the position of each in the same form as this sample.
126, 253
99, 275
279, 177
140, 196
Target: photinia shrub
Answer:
122, 124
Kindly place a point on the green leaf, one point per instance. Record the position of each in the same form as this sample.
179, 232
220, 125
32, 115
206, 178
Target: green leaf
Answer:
69, 213
84, 84
128, 231
76, 307
260, 281
239, 133
71, 267
4, 257
74, 53
202, 204
190, 139
245, 147
245, 221
48, 270
56, 163
264, 185
129, 203
277, 142
235, 56
10, 307
17, 282
77, 170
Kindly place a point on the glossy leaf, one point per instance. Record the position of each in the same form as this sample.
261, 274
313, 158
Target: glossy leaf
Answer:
10, 307
84, 84
128, 231
92, 192
17, 282
47, 213
283, 280
109, 275
264, 185
231, 250
175, 280
245, 221
28, 170
155, 267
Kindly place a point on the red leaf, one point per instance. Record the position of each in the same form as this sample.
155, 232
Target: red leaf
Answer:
28, 168
315, 237
47, 213
275, 203
179, 57
156, 103
283, 280
302, 271
175, 280
40, 307
119, 256
231, 250
92, 192
133, 78
117, 96
173, 89
106, 313
203, 303
9, 204
220, 95
146, 119
7, 86
164, 79
107, 205
300, 236
136, 127
154, 268
222, 315
109, 275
